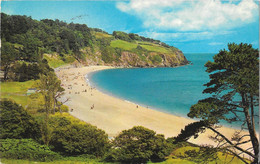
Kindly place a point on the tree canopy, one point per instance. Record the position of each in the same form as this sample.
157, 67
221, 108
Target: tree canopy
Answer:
16, 122
234, 89
73, 137
138, 145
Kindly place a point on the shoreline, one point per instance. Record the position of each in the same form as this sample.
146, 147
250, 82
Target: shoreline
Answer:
113, 114
129, 101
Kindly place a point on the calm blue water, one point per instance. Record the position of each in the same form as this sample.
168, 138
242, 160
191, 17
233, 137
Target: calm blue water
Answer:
171, 90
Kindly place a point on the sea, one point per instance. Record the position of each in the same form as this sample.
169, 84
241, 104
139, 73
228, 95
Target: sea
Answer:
169, 90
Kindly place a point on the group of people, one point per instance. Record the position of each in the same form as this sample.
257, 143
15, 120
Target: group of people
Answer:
73, 77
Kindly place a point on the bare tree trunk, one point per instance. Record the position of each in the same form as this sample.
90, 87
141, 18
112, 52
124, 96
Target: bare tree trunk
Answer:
251, 129
6, 69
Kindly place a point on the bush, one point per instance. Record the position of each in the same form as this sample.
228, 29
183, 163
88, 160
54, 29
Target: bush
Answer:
26, 149
156, 59
138, 145
73, 137
122, 35
107, 54
16, 122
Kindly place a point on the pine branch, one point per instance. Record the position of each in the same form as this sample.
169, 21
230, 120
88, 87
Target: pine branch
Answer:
233, 145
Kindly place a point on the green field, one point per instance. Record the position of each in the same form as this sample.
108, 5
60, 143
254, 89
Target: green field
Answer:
156, 48
16, 91
123, 45
132, 45
102, 35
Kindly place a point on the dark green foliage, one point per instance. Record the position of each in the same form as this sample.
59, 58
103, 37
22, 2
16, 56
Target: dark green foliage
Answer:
47, 35
26, 149
122, 35
76, 138
134, 37
99, 30
138, 145
24, 72
234, 89
15, 24
190, 130
30, 50
16, 122
8, 56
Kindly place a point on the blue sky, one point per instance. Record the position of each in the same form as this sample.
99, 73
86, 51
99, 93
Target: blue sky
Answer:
191, 26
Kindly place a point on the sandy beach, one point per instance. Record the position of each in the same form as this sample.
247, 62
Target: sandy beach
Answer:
113, 114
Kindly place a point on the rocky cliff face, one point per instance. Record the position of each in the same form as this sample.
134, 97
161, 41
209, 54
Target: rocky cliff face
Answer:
130, 59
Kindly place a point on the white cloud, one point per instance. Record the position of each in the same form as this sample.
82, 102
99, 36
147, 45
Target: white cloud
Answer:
216, 43
184, 36
191, 15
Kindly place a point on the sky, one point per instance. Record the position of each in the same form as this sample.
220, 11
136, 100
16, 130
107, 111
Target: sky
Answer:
193, 26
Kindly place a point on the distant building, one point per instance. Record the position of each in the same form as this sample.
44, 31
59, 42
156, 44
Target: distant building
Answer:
31, 91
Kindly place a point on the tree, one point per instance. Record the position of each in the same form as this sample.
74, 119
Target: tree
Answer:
49, 86
16, 122
234, 89
8, 56
30, 50
138, 145
73, 137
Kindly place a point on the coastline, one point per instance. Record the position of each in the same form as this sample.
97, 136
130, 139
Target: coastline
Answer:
113, 114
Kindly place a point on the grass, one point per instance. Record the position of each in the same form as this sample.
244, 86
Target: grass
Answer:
123, 45
13, 161
132, 45
54, 62
223, 158
156, 48
16, 91
16, 87
100, 35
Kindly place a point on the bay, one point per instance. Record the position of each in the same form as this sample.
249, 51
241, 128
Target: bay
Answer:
170, 90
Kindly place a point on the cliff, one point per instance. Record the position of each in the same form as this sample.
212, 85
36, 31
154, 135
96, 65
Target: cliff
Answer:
113, 51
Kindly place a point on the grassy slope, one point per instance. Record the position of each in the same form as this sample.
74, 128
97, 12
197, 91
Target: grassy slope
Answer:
55, 61
16, 91
222, 158
128, 46
102, 35
123, 45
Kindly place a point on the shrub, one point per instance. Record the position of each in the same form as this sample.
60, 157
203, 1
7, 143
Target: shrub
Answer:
73, 137
107, 54
26, 149
16, 122
156, 59
138, 145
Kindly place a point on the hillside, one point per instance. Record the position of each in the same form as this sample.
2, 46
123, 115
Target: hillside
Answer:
61, 43
132, 52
